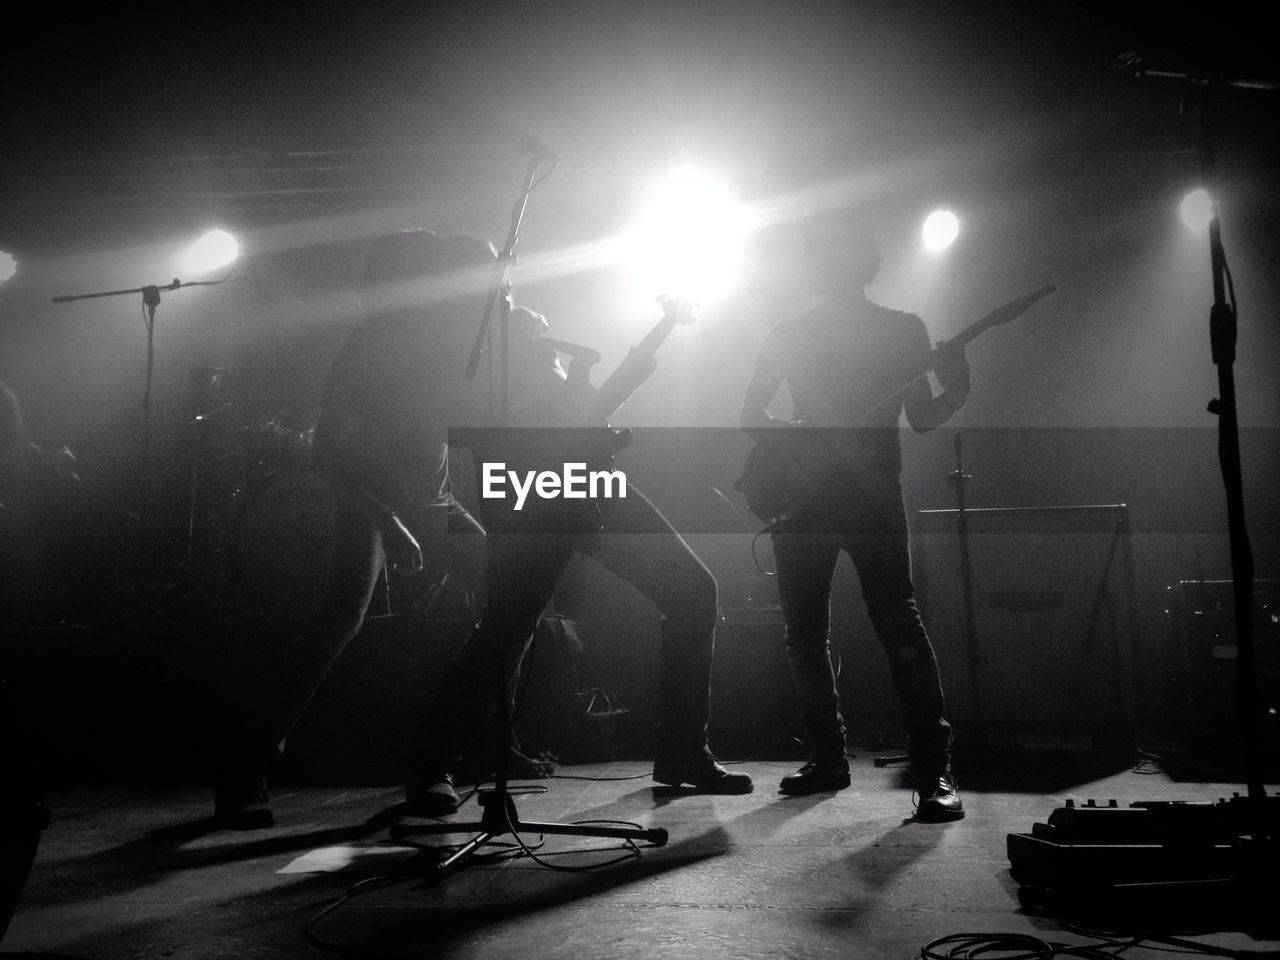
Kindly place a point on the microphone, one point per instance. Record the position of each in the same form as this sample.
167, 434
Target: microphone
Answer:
537, 149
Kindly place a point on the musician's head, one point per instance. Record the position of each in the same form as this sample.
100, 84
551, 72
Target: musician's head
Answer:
421, 273
841, 253
527, 323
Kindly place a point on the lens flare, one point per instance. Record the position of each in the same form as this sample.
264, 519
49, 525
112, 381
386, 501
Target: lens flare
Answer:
689, 241
940, 230
1197, 209
215, 249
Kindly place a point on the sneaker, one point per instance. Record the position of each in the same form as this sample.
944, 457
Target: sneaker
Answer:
939, 800
817, 776
702, 772
432, 797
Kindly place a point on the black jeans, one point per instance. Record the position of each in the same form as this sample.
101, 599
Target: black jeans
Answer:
525, 563
865, 518
310, 561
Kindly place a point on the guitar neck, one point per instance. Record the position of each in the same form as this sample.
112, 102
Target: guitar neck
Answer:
653, 339
633, 371
1004, 314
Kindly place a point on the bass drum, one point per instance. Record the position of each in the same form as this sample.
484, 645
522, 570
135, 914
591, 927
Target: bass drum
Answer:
284, 549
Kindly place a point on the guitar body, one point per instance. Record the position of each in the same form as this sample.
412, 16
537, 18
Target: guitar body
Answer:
785, 470
772, 484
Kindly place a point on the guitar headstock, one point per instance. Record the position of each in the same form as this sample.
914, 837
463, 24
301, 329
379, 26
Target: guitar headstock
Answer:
680, 309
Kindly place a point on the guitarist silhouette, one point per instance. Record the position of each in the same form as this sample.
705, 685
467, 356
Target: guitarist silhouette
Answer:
785, 469
528, 552
836, 360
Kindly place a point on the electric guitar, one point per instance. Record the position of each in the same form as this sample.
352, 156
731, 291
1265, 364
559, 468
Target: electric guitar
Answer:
584, 435
786, 466
639, 363
602, 402
575, 426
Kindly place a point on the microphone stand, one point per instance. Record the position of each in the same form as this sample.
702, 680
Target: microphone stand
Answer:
500, 265
1203, 91
958, 478
150, 301
500, 816
1222, 341
1255, 866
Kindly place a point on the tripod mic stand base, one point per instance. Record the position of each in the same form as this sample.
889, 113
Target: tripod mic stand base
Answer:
500, 817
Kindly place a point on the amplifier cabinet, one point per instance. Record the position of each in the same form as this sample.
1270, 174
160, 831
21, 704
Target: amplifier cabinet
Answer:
1201, 633
1049, 664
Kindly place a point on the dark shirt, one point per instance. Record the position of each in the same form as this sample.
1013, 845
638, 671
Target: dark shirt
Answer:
389, 399
840, 363
398, 385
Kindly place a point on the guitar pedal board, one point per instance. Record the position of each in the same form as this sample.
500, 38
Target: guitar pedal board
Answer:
1100, 845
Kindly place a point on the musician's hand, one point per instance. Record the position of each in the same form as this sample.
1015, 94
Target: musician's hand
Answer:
680, 309
952, 369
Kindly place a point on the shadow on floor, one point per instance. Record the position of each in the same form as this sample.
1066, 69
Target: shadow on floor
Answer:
1012, 770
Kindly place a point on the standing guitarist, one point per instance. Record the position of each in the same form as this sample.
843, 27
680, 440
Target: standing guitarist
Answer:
528, 551
841, 361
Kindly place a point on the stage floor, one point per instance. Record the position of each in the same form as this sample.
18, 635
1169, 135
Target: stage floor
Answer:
136, 872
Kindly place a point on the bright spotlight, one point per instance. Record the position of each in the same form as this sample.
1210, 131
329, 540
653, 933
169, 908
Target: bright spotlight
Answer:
940, 230
689, 241
8, 266
1197, 209
215, 249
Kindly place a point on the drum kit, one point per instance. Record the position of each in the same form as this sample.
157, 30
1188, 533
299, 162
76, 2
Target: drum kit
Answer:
234, 461
260, 520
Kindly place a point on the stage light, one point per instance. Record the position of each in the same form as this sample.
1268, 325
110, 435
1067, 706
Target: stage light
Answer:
215, 249
1197, 209
689, 240
940, 230
8, 266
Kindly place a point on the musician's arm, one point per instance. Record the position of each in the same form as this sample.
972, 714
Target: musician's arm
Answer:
765, 382
579, 383
924, 410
